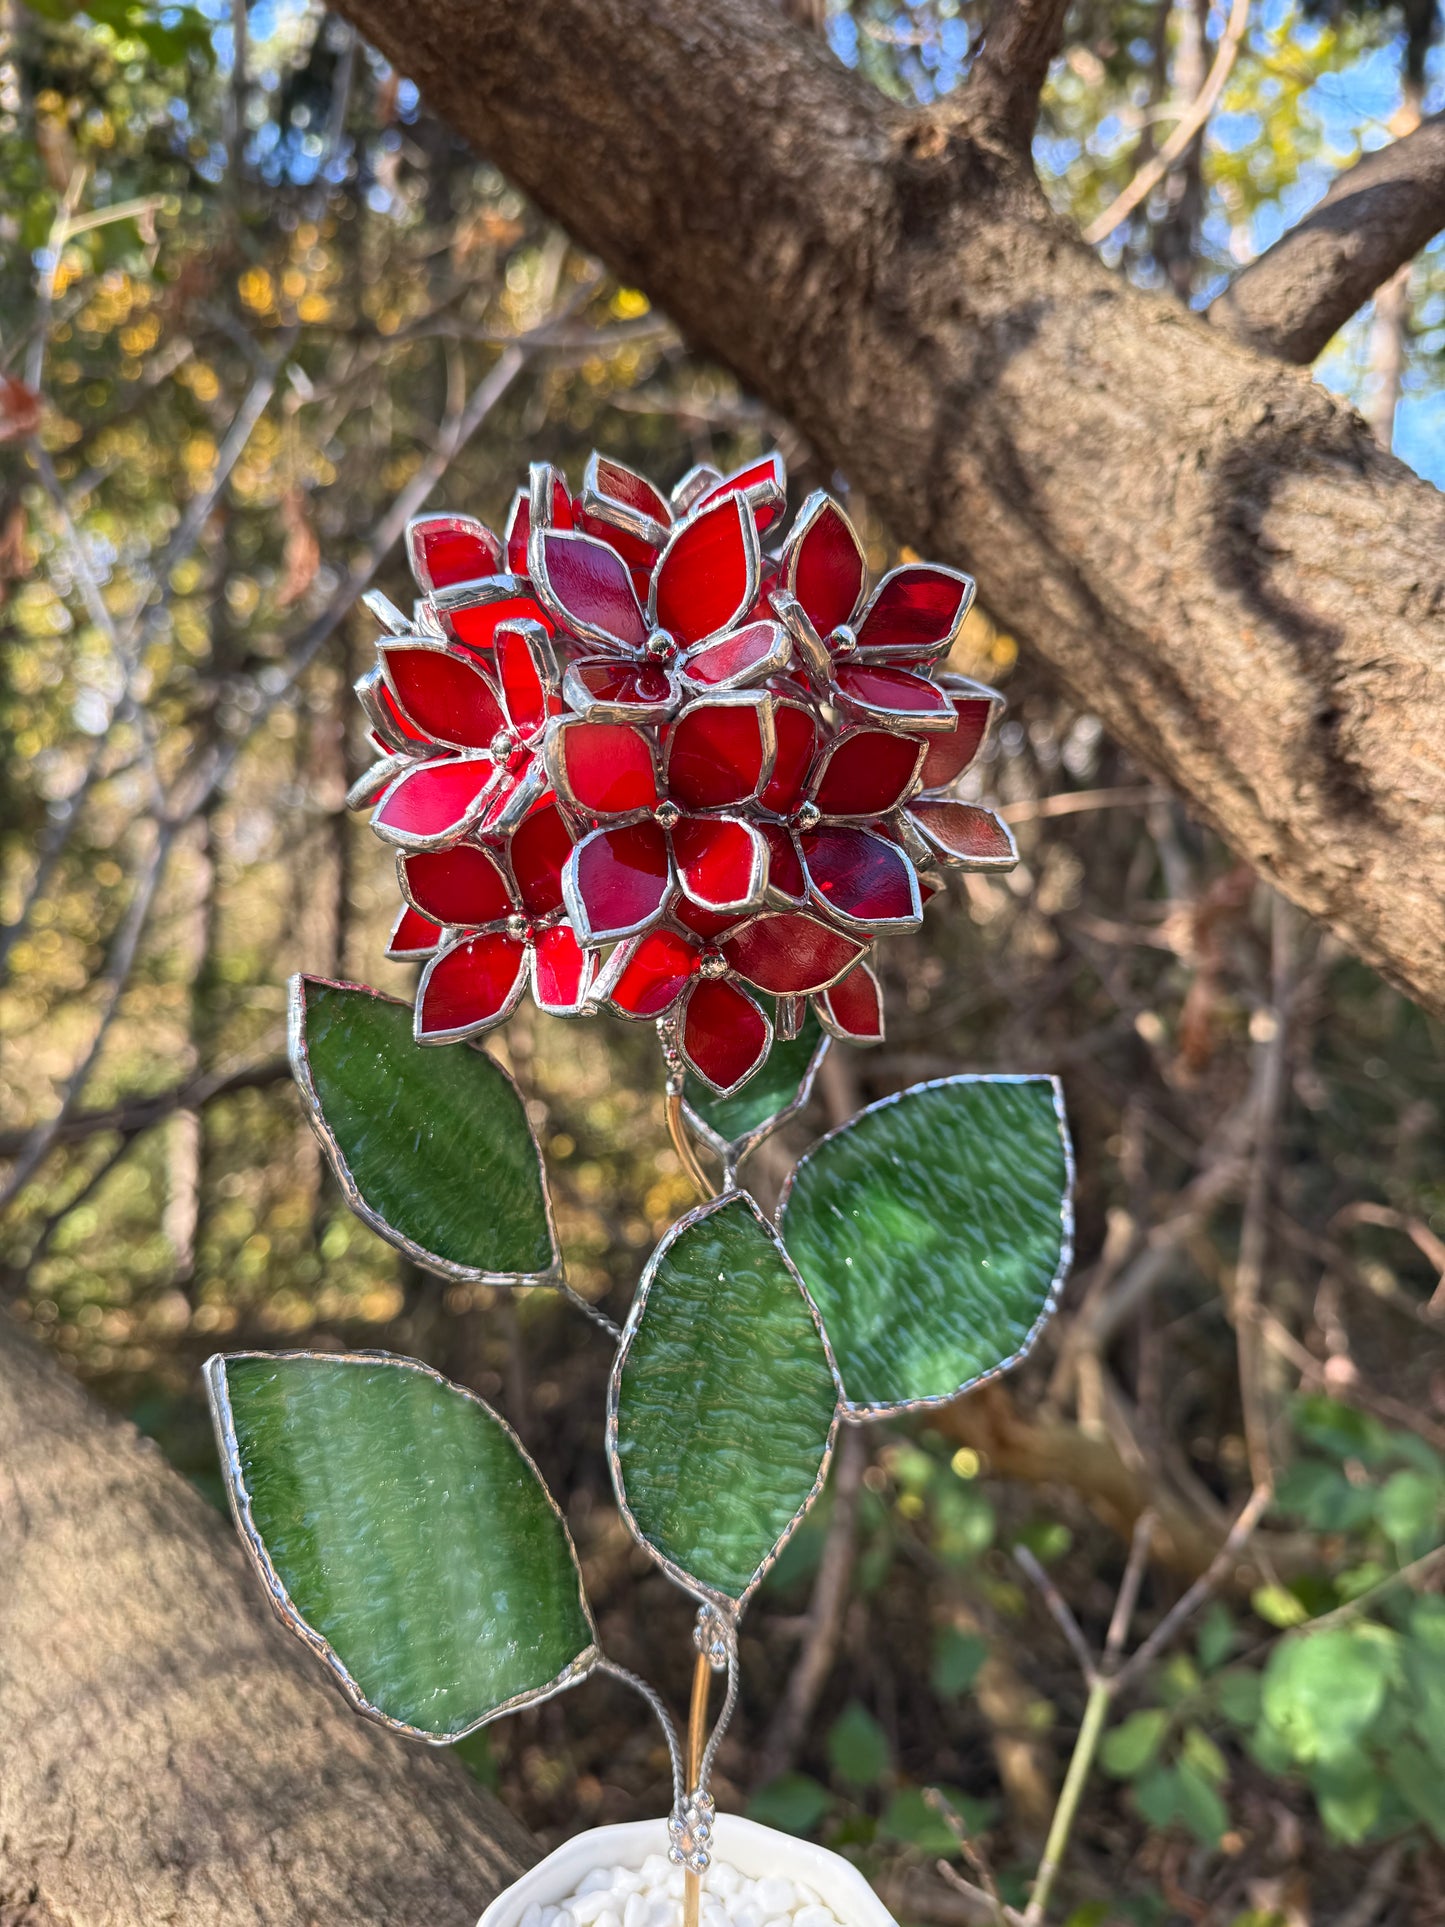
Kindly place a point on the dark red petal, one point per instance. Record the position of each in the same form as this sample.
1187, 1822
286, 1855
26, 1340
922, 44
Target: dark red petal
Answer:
527, 673
951, 752
519, 522
450, 548
605, 768
588, 587
562, 971
474, 621
892, 695
638, 554
717, 754
823, 564
797, 731
433, 801
472, 985
445, 694
915, 613
462, 885
412, 936
613, 683
790, 954
617, 881
725, 1037
539, 850
765, 485
853, 1008
964, 835
610, 485
740, 657
721, 862
708, 574
866, 772
785, 867
861, 877
706, 924
649, 974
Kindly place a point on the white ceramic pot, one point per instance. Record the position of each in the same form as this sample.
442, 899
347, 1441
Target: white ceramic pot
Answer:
755, 1851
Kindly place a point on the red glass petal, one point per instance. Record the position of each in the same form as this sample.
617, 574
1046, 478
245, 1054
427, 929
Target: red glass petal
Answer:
790, 954
635, 550
371, 782
462, 885
915, 613
708, 574
861, 877
472, 985
445, 694
725, 1037
866, 772
527, 673
605, 768
588, 587
562, 971
742, 656
765, 485
412, 936
649, 974
785, 866
474, 621
516, 791
721, 862
797, 731
519, 522
950, 753
707, 924
964, 834
697, 482
853, 1007
717, 754
867, 690
539, 850
612, 682
618, 880
433, 801
610, 484
450, 548
823, 564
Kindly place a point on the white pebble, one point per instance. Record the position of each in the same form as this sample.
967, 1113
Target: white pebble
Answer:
648, 1896
777, 1895
598, 1881
813, 1915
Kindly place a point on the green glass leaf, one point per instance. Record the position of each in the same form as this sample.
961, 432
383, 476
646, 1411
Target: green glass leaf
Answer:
723, 1401
402, 1532
933, 1232
431, 1144
733, 1126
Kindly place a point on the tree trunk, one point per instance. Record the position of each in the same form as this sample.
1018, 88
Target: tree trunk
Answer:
167, 1753
1208, 547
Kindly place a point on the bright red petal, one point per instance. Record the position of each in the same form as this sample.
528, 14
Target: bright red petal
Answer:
588, 587
707, 924
444, 694
618, 881
797, 731
619, 688
450, 548
785, 866
473, 619
604, 768
964, 835
853, 1007
379, 704
915, 614
721, 862
950, 753
725, 1037
891, 695
519, 522
765, 486
708, 575
469, 987
562, 971
649, 974
718, 754
866, 772
433, 802
862, 878
413, 936
462, 886
619, 496
539, 850
823, 564
741, 657
527, 673
790, 954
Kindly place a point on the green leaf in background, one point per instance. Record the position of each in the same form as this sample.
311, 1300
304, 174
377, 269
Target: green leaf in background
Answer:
733, 1126
858, 1747
1215, 1640
1166, 1794
796, 1803
403, 1533
933, 1232
1322, 1690
909, 1817
957, 1657
1409, 1511
723, 1401
431, 1145
1129, 1747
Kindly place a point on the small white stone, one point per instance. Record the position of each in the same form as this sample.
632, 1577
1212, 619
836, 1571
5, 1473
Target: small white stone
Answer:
777, 1895
724, 1880
813, 1915
533, 1916
587, 1905
609, 1917
598, 1881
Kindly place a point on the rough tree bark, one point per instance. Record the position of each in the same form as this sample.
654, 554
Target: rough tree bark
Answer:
167, 1753
1207, 546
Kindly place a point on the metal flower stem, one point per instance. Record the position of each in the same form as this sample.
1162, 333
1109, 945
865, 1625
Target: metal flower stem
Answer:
696, 1727
676, 1123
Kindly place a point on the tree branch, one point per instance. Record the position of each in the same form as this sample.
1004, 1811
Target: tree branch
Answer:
1377, 215
1012, 64
138, 1114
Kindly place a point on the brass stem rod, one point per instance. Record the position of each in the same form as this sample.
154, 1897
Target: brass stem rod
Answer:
696, 1740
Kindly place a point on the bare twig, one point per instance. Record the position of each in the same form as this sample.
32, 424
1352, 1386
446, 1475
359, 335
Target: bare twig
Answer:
142, 1113
1203, 1588
1059, 1611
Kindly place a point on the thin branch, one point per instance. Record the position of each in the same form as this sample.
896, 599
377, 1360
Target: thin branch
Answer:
1377, 215
1002, 91
1189, 124
1202, 1589
1123, 1615
142, 1113
1060, 1612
